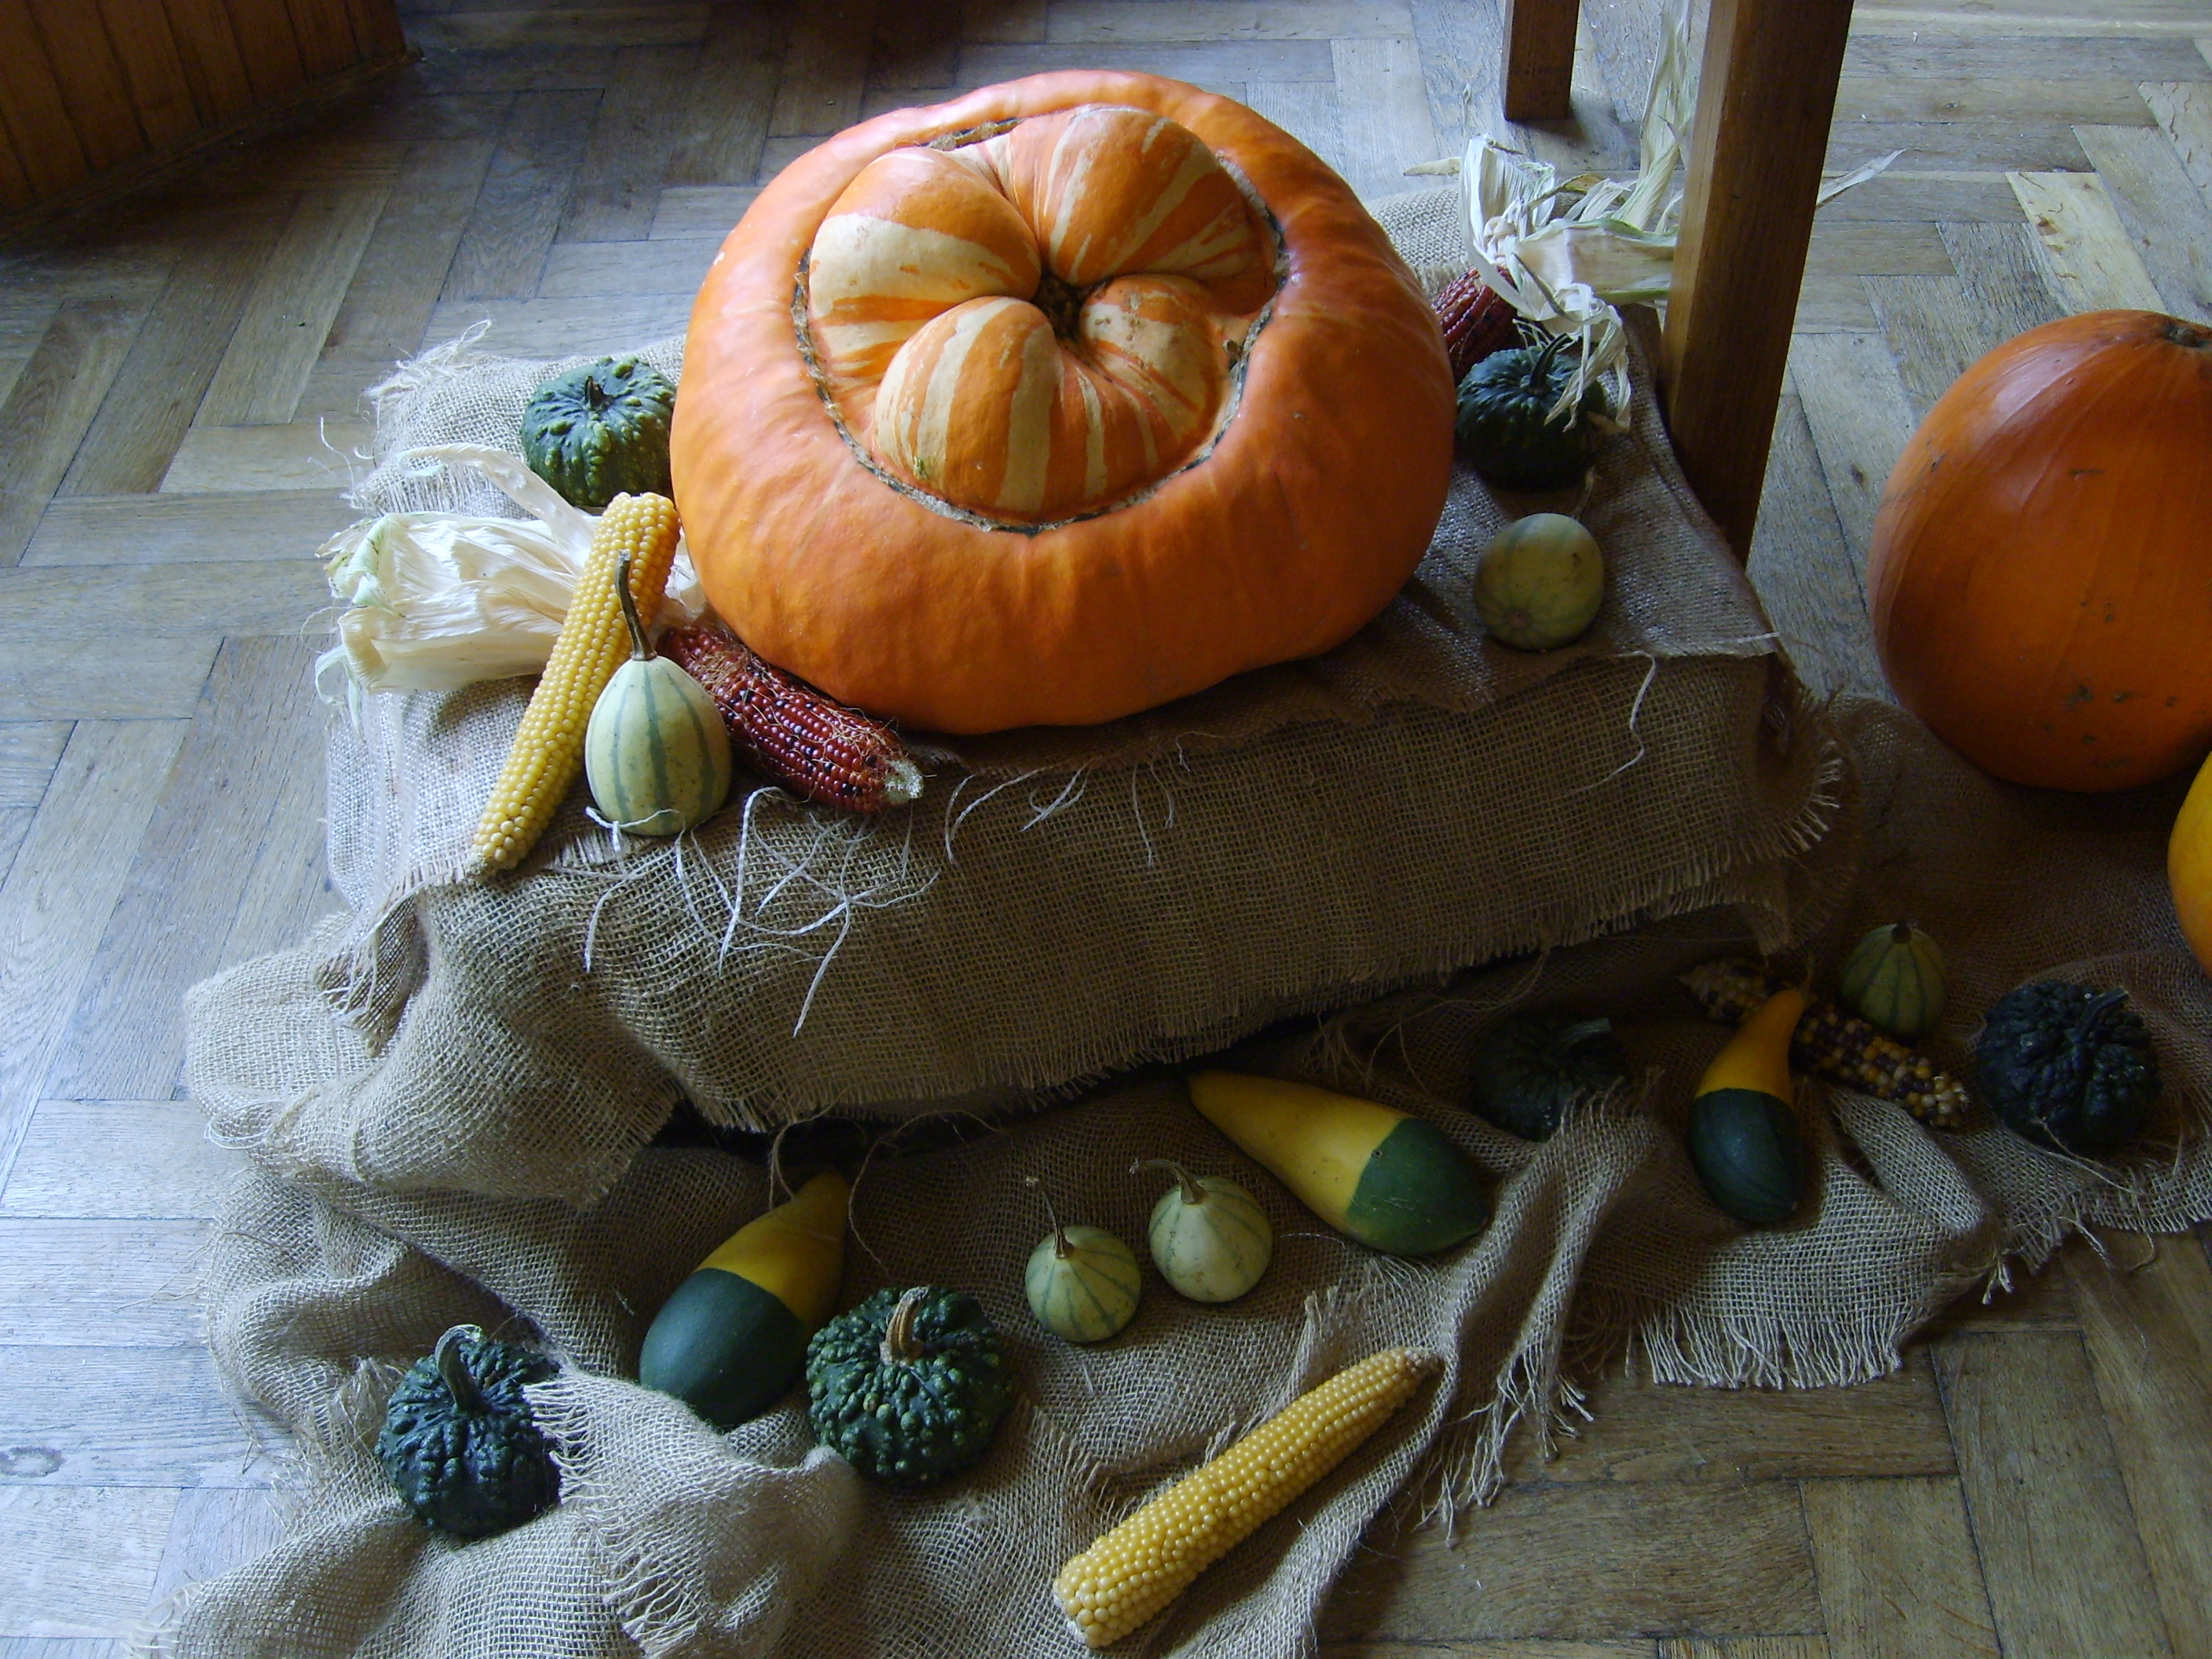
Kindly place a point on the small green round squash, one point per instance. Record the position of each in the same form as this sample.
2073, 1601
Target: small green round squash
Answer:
909, 1386
1539, 583
458, 1439
656, 752
1893, 978
1531, 1067
1506, 426
1209, 1237
1083, 1283
601, 431
1749, 1154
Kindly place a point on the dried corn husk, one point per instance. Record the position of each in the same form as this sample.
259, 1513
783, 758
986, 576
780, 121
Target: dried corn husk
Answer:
436, 600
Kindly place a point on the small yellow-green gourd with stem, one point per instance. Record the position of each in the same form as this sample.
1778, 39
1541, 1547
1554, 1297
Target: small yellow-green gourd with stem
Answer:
1210, 1238
1541, 582
1082, 1282
656, 752
1893, 979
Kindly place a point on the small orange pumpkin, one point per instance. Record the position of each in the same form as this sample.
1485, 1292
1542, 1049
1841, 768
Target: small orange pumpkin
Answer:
2040, 580
1055, 403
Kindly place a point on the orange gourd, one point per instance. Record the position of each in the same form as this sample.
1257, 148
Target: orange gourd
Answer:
2040, 578
1056, 402
2189, 867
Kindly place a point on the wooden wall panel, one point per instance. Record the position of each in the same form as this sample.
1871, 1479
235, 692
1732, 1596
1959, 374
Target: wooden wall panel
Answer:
271, 51
214, 67
153, 70
30, 105
91, 81
326, 36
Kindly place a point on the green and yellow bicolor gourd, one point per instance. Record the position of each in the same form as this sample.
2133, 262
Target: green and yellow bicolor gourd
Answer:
656, 752
732, 1339
1083, 1283
1210, 1238
1384, 1177
1744, 1138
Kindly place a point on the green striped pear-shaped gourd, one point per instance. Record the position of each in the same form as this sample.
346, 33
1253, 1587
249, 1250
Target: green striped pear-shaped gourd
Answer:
1083, 1283
1210, 1238
1894, 979
656, 752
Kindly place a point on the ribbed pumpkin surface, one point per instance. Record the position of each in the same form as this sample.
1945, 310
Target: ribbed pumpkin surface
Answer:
2040, 578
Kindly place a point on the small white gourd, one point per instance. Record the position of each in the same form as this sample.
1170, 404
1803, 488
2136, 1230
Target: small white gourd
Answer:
1083, 1283
655, 750
1210, 1238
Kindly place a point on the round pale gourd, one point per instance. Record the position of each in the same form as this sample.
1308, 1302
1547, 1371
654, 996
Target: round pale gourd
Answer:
1210, 1238
1539, 583
1056, 402
1893, 978
1083, 1283
656, 752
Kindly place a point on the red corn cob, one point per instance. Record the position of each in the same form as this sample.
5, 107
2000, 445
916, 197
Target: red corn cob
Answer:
784, 727
1476, 321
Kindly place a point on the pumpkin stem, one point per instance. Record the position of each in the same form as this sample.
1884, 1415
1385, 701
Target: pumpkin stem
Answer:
899, 1346
447, 1355
639, 650
1192, 1192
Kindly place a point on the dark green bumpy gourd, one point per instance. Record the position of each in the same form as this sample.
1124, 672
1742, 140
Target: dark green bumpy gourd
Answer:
1506, 427
2068, 1066
1530, 1067
459, 1440
909, 1386
601, 431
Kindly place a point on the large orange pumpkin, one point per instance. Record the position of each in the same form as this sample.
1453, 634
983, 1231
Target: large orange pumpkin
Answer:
1056, 402
2040, 579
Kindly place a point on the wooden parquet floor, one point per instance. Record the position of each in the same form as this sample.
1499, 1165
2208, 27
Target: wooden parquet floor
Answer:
178, 399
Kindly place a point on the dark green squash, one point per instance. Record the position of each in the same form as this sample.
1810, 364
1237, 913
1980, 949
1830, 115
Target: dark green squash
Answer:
1532, 1067
1749, 1154
459, 1440
909, 1386
1506, 427
2069, 1067
601, 431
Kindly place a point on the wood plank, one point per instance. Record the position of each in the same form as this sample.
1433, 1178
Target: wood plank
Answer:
100, 1416
2064, 1567
44, 139
556, 328
96, 1284
152, 72
403, 267
1860, 418
294, 299
65, 879
682, 23
819, 90
108, 603
1463, 50
268, 44
2042, 1302
256, 729
2165, 216
2031, 56
82, 1560
1540, 59
504, 69
213, 66
687, 211
216, 1529
1955, 198
2148, 1332
1307, 110
1806, 574
583, 270
1203, 63
1987, 99
1937, 327
1115, 22
525, 192
916, 49
1539, 1648
2184, 109
15, 824
1746, 1647
1003, 22
29, 751
91, 84
63, 679
326, 36
1647, 1430
1959, 146
1898, 1575
63, 1647
171, 362
618, 181
1594, 1561
732, 93
1383, 113
53, 402
120, 1159
189, 528
317, 456
2079, 17
2088, 257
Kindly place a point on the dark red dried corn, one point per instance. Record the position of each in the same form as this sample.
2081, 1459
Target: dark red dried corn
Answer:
783, 727
1476, 321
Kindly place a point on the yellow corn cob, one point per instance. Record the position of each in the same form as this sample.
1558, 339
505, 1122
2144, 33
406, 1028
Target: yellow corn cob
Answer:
1150, 1559
548, 747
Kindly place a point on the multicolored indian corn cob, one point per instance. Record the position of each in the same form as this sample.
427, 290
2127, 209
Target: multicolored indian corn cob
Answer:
1151, 1557
1836, 1045
1477, 320
548, 747
784, 727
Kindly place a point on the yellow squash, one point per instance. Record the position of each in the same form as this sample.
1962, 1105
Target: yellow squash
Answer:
2189, 867
1744, 1138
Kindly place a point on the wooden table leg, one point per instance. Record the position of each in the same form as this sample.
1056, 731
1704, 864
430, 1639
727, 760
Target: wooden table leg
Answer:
1540, 59
1766, 94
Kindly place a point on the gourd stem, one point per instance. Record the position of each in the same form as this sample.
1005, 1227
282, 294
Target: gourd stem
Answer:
447, 1355
1192, 1192
639, 650
1901, 934
1060, 1250
899, 1346
1575, 1036
2094, 1015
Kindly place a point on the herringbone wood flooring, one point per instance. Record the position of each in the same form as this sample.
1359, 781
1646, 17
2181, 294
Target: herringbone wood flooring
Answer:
178, 386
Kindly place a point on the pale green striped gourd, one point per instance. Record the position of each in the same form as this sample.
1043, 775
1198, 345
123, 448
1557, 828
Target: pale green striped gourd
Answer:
1210, 1238
1083, 1283
656, 752
1894, 979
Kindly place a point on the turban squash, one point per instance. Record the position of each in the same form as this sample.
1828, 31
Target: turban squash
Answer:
1055, 403
2040, 577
